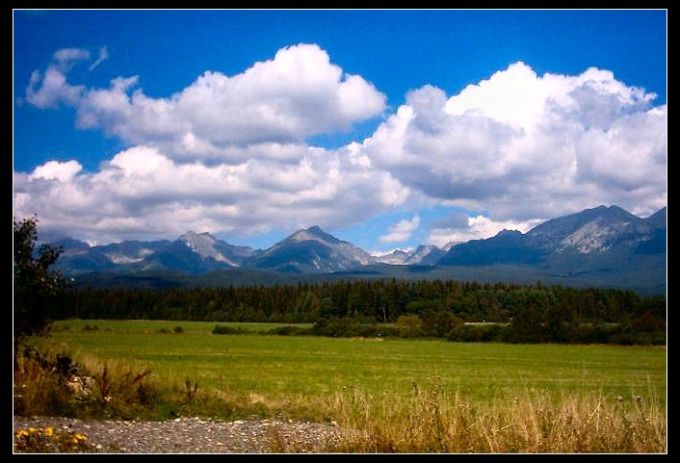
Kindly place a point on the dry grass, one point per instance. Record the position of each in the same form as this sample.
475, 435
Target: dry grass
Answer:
38, 390
94, 388
438, 421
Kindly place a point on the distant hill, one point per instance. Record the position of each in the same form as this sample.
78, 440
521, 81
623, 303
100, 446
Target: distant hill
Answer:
310, 251
196, 253
602, 247
423, 255
605, 245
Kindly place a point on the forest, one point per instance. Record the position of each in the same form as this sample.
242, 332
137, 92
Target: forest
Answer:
459, 311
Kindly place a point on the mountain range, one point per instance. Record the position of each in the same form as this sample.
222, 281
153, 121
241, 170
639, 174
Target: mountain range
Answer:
603, 246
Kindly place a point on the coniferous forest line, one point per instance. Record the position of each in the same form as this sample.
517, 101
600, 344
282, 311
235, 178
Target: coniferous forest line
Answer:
446, 309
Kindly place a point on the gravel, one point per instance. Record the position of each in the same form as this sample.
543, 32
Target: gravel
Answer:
195, 435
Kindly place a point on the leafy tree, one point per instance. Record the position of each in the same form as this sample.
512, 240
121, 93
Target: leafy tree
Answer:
560, 324
35, 286
648, 322
527, 326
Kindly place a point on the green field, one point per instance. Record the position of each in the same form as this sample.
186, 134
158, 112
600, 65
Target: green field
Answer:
391, 395
307, 366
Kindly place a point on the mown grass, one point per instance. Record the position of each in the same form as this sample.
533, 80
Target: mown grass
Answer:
281, 365
397, 394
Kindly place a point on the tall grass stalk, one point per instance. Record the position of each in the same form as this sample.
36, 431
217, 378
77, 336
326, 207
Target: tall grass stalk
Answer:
436, 420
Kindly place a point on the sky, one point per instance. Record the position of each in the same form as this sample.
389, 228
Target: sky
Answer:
386, 128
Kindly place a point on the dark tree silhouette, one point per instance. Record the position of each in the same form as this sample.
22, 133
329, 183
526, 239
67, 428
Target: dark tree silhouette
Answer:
35, 286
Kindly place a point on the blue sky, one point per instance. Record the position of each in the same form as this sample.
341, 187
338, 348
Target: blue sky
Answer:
423, 183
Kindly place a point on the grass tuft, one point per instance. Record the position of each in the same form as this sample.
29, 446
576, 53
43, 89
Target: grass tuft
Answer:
436, 420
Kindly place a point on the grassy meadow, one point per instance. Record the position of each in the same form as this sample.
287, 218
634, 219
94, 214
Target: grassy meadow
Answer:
394, 391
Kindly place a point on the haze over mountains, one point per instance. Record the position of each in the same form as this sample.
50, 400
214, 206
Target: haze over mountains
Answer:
603, 246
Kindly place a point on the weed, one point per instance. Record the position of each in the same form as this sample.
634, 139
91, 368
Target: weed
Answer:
50, 440
39, 388
190, 390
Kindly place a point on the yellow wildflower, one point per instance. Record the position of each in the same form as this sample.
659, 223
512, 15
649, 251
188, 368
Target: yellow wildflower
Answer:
32, 430
21, 433
49, 431
80, 436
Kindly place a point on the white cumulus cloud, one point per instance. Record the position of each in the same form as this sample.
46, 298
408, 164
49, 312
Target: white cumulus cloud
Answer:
523, 146
401, 231
229, 153
142, 192
225, 154
55, 170
296, 94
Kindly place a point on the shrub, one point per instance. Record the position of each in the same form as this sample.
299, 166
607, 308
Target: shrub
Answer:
624, 339
223, 329
477, 333
596, 333
409, 326
440, 323
348, 327
290, 330
178, 329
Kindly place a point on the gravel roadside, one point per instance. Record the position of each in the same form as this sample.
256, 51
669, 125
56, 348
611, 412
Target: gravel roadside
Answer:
194, 435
